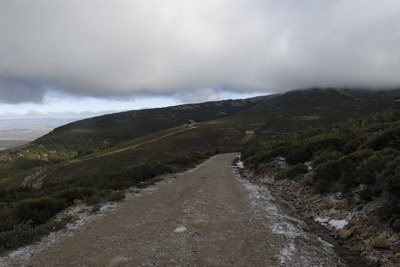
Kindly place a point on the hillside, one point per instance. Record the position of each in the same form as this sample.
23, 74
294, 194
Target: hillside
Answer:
107, 130
92, 159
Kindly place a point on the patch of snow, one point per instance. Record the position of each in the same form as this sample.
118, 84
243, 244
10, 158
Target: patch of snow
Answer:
180, 229
237, 167
287, 253
325, 243
338, 224
322, 221
285, 228
256, 192
239, 164
266, 179
333, 199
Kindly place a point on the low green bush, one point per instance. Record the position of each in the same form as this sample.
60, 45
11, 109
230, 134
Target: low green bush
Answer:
120, 183
323, 156
383, 139
24, 233
105, 195
19, 235
299, 155
292, 172
326, 142
74, 193
368, 169
38, 211
98, 197
325, 174
367, 193
390, 182
115, 196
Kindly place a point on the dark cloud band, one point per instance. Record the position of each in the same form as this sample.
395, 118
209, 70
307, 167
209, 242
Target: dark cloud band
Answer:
14, 90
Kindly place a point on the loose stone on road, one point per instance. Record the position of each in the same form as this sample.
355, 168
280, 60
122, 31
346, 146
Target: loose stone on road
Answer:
205, 217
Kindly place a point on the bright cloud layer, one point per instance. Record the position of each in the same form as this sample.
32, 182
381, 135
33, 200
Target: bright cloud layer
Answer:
123, 48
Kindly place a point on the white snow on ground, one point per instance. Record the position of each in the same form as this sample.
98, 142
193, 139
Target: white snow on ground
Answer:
338, 224
287, 253
240, 164
180, 229
322, 221
285, 228
325, 243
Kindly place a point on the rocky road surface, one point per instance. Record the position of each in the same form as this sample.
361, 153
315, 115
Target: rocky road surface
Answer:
205, 217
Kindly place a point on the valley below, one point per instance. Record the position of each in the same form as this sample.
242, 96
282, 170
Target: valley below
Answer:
207, 216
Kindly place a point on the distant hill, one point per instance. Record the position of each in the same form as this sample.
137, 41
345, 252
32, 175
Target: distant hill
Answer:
111, 129
107, 130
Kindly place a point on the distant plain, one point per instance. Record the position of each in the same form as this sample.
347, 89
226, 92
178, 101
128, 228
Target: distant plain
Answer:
16, 132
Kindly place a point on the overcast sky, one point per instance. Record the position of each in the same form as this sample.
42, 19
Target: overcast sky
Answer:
63, 56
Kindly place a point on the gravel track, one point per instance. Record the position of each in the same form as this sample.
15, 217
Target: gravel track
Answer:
205, 217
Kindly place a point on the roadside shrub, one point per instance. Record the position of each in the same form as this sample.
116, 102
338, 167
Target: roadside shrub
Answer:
354, 144
38, 210
74, 193
292, 172
367, 193
7, 223
390, 178
265, 155
299, 155
325, 174
116, 196
349, 168
151, 169
98, 197
326, 142
121, 183
24, 233
104, 196
19, 235
323, 156
369, 168
384, 139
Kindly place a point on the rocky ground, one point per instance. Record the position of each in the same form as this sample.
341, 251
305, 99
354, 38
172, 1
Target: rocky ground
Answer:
348, 220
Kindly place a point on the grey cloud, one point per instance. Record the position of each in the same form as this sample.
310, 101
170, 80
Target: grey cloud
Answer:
20, 90
119, 48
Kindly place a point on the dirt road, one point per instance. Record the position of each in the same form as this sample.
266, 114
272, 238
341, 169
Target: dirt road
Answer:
204, 217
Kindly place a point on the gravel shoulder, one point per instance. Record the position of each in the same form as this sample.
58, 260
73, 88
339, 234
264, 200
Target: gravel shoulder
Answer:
204, 217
